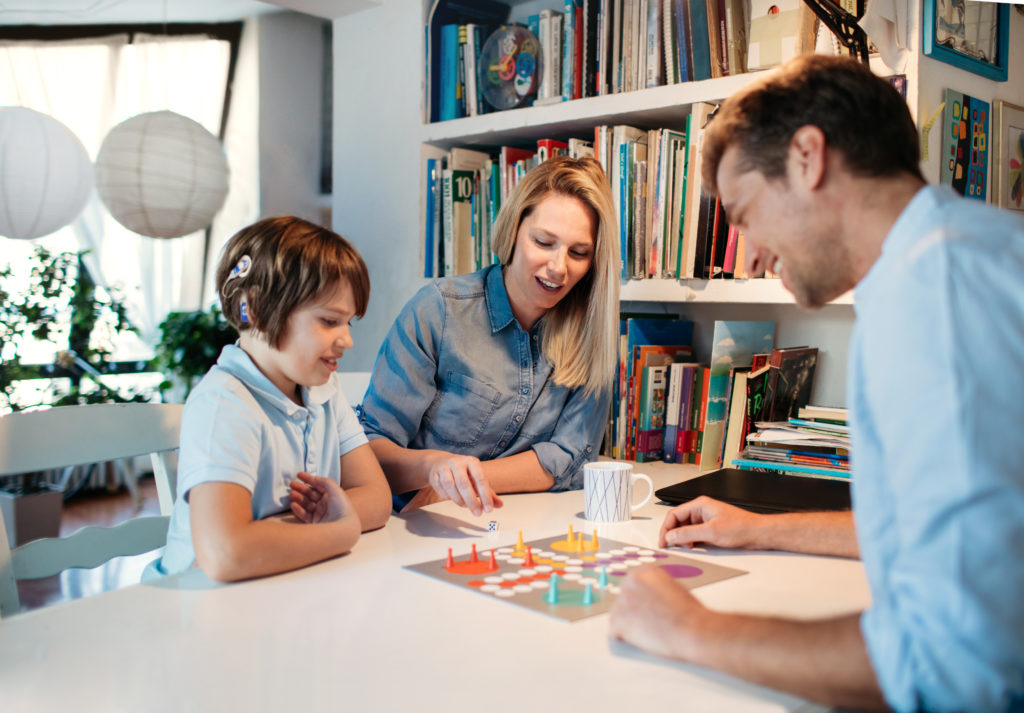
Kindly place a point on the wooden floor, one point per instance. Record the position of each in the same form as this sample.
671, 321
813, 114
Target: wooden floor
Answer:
94, 508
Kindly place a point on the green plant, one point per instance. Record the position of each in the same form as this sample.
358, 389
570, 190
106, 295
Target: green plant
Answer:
60, 305
189, 345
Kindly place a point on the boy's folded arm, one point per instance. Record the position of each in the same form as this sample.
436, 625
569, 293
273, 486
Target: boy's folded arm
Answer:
366, 487
230, 545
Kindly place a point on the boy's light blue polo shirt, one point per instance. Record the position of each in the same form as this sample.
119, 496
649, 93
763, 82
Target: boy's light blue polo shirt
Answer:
237, 427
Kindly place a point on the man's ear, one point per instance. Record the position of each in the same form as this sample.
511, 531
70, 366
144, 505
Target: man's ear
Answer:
807, 159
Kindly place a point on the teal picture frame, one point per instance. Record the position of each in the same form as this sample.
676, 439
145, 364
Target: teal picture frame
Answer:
962, 57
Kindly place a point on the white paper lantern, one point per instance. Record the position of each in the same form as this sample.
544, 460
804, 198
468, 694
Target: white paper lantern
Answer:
161, 174
45, 174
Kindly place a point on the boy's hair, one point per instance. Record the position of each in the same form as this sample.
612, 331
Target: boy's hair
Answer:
579, 332
293, 262
862, 116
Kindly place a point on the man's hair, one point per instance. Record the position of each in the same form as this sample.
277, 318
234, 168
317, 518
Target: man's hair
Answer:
862, 116
292, 262
579, 332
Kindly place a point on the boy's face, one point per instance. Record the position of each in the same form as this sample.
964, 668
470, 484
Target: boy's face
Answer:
315, 338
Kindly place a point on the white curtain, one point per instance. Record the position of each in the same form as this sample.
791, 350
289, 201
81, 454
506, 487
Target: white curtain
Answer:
92, 85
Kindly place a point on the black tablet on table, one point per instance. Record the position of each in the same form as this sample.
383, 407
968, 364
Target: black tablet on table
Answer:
765, 492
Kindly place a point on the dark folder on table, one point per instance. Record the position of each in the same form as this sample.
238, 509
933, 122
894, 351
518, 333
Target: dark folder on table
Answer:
762, 492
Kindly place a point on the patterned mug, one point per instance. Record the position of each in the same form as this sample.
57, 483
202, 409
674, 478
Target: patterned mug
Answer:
608, 491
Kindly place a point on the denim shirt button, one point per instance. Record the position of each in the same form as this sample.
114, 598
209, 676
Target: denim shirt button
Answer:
526, 389
518, 419
502, 444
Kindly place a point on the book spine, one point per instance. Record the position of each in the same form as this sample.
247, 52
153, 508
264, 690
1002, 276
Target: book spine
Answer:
682, 46
674, 391
705, 383
428, 221
654, 63
449, 71
568, 49
700, 40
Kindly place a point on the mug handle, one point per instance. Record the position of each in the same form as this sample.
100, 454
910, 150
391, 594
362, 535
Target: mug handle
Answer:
650, 489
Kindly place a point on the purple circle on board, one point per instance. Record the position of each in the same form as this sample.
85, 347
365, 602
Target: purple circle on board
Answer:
659, 555
682, 571
617, 574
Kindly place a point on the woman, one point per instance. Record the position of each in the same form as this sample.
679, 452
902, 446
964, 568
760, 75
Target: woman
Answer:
499, 381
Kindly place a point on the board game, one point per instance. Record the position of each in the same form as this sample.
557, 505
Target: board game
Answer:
570, 577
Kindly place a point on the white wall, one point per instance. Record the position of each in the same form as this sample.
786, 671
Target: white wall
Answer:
378, 57
290, 72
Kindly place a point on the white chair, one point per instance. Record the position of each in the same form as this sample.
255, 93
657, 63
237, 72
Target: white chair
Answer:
73, 435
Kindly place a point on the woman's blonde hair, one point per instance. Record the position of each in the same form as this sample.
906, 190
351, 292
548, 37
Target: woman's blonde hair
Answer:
578, 336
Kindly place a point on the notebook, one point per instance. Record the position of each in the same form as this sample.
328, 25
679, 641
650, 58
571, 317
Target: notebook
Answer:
762, 492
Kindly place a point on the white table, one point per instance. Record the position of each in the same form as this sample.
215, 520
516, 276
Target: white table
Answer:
360, 633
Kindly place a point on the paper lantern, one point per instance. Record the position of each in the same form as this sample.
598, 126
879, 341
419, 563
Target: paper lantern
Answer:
161, 174
45, 174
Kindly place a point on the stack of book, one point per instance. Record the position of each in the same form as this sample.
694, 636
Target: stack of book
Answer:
816, 443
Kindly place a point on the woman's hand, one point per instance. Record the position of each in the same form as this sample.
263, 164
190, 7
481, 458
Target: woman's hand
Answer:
461, 479
317, 499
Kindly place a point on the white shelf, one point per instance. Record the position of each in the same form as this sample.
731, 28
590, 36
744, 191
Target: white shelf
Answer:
754, 291
657, 107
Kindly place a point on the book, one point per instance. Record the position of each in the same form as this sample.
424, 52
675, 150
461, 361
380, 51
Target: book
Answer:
736, 37
449, 73
644, 357
790, 381
568, 47
674, 391
429, 249
653, 62
699, 39
651, 418
458, 221
508, 158
733, 344
779, 30
696, 199
547, 148
736, 421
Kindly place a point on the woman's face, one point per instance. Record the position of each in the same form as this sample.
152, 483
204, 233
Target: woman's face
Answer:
554, 249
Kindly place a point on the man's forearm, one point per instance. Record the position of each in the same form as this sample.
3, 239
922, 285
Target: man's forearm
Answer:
818, 533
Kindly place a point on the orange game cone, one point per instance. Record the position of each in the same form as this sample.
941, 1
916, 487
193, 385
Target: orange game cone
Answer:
529, 556
473, 557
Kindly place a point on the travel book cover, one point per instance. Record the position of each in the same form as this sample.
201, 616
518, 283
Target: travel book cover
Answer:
733, 344
789, 381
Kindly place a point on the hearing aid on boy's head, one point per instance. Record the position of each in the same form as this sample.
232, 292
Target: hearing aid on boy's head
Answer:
241, 268
243, 311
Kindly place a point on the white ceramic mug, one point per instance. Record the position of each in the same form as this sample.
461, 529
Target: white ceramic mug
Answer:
608, 491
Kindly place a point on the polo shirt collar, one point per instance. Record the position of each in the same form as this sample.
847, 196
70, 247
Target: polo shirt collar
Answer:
236, 362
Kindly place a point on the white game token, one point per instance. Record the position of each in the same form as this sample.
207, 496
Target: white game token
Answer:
574, 561
560, 558
502, 558
613, 588
648, 560
544, 553
494, 580
540, 584
603, 556
527, 572
571, 577
490, 588
584, 581
632, 563
504, 592
572, 568
522, 588
630, 548
515, 560
645, 553
505, 550
616, 553
510, 576
542, 568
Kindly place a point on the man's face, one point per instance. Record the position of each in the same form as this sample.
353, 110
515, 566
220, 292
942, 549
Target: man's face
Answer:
787, 231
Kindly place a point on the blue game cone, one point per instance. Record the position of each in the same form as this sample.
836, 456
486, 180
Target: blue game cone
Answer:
552, 596
588, 595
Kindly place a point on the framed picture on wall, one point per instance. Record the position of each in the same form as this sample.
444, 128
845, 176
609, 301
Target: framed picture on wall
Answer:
1008, 155
965, 145
968, 34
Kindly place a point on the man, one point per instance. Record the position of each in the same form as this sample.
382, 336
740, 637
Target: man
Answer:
817, 164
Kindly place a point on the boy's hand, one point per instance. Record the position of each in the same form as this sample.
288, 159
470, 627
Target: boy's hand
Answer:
316, 499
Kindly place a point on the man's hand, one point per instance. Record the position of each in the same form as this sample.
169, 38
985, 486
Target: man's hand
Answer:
708, 521
657, 614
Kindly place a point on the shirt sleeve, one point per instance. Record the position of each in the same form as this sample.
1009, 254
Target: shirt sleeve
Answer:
576, 438
403, 383
944, 632
350, 431
220, 439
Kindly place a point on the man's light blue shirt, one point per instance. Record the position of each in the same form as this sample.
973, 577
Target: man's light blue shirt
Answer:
237, 427
937, 407
457, 373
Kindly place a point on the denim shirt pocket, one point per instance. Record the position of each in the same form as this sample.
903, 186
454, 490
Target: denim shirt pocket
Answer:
463, 410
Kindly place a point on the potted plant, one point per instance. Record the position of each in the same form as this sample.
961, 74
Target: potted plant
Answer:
60, 305
189, 345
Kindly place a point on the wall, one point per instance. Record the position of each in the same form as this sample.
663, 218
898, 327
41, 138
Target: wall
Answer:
290, 71
377, 108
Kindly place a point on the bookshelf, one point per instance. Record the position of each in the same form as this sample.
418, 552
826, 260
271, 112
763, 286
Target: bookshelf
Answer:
381, 141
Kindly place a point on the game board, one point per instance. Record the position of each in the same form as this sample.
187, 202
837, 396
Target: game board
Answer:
588, 572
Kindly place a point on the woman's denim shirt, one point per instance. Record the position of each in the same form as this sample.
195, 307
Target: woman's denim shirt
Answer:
457, 373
